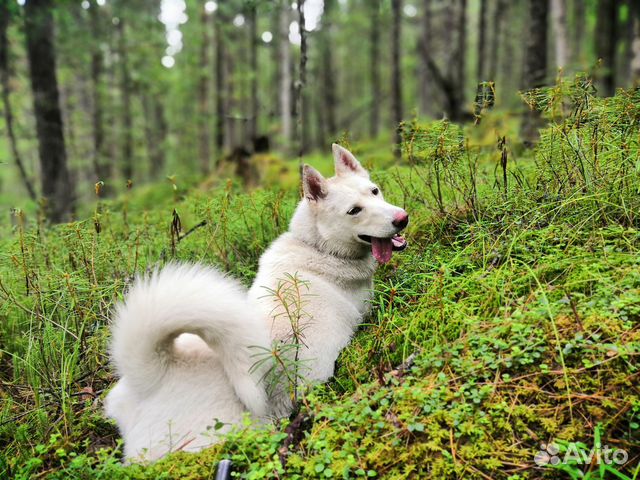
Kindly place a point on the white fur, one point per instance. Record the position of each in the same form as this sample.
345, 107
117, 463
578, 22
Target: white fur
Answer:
185, 338
182, 348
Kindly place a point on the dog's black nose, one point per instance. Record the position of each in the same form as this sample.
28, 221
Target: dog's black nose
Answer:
400, 220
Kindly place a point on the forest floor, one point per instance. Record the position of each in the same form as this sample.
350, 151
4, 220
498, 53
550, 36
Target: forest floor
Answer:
505, 337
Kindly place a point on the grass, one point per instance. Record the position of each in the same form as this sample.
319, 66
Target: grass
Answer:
511, 321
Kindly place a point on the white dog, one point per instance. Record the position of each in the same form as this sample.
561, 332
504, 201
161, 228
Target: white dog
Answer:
186, 339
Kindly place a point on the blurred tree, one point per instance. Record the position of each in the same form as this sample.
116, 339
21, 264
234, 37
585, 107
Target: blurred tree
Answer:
635, 43
606, 44
231, 59
274, 56
156, 129
328, 72
425, 96
452, 84
509, 64
626, 28
57, 188
501, 10
302, 110
482, 42
101, 162
535, 63
253, 59
285, 65
203, 95
396, 75
579, 21
559, 15
125, 90
6, 97
460, 59
218, 23
148, 43
374, 66
535, 66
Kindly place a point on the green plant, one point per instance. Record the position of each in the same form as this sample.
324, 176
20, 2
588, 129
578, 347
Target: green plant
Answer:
284, 356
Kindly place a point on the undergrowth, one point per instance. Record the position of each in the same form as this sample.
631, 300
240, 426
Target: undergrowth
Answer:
511, 323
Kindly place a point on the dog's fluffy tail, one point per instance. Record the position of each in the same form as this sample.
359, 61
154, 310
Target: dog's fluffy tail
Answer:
183, 298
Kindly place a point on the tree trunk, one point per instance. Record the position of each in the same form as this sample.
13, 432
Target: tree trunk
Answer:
482, 42
635, 44
320, 106
253, 58
535, 62
501, 7
231, 140
535, 66
155, 132
125, 91
302, 110
285, 75
274, 58
396, 74
328, 72
219, 80
204, 150
627, 25
579, 21
559, 15
67, 109
606, 41
460, 81
425, 97
161, 134
101, 164
57, 188
374, 66
452, 83
240, 106
6, 94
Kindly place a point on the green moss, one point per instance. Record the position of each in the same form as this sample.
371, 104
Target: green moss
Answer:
520, 308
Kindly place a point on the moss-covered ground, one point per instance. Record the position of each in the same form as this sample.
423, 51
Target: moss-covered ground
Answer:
511, 323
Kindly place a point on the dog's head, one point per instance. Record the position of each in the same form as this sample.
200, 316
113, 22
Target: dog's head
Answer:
349, 211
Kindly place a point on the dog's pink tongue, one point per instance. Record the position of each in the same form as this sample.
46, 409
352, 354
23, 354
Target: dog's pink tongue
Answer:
382, 249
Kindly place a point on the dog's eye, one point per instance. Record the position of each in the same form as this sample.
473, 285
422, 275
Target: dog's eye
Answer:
375, 191
354, 211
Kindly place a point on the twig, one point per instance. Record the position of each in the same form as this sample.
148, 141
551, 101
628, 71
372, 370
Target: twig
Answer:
293, 431
179, 238
191, 230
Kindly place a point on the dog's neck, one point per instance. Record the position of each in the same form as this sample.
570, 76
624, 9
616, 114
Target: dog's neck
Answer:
303, 227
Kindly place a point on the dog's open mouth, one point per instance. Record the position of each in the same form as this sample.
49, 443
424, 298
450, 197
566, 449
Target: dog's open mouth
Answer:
383, 248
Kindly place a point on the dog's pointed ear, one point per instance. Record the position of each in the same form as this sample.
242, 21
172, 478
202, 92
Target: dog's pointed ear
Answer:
346, 163
314, 184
